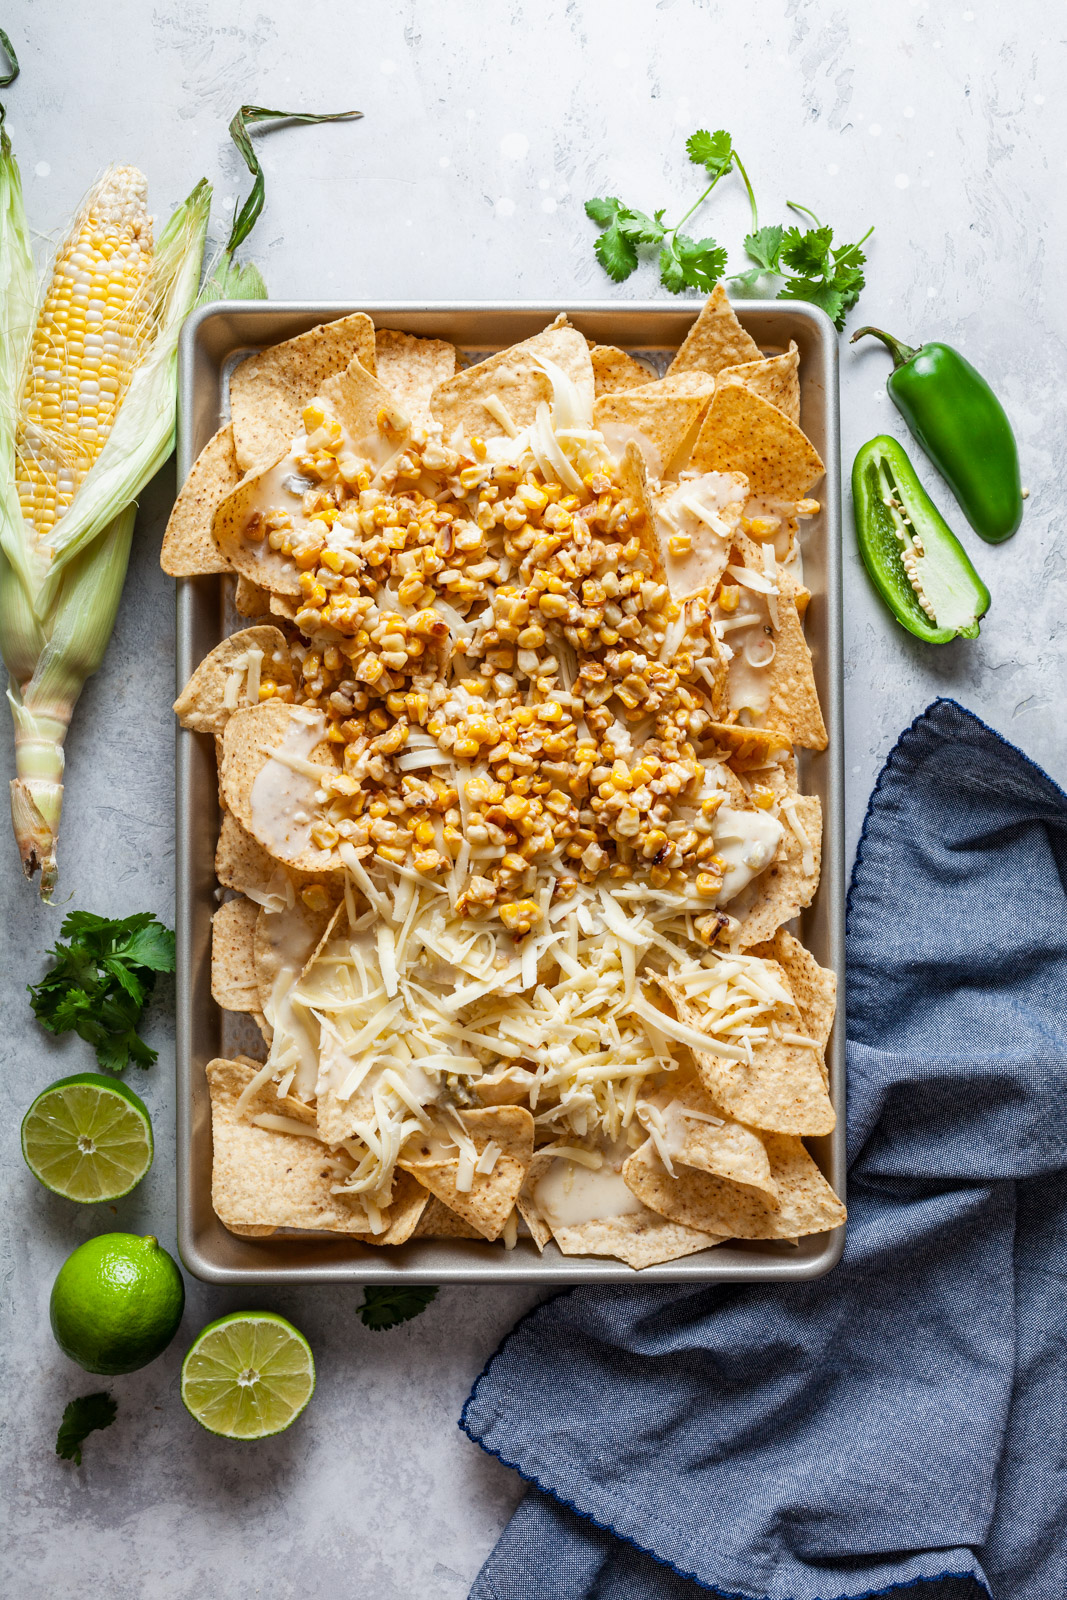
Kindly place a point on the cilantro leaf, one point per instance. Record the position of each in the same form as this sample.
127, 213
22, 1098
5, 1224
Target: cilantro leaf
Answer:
691, 263
640, 228
670, 270
624, 230
601, 211
81, 1418
387, 1307
748, 279
829, 277
807, 253
151, 945
764, 248
715, 151
823, 295
616, 253
100, 982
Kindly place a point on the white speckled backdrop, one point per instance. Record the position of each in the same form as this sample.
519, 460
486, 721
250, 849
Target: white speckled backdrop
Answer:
486, 128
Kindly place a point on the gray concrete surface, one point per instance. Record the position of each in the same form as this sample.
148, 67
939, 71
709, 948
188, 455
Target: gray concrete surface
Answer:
486, 128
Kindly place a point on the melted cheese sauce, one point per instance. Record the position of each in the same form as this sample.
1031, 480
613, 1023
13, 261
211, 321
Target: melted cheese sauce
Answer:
708, 510
569, 1194
295, 1046
747, 841
747, 686
283, 801
617, 435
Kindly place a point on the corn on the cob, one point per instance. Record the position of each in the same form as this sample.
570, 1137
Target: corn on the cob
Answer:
85, 346
86, 417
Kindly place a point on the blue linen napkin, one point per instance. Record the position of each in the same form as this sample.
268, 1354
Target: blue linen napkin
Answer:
902, 1422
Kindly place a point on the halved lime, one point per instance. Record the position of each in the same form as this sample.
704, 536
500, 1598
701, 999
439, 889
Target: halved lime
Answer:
248, 1375
88, 1138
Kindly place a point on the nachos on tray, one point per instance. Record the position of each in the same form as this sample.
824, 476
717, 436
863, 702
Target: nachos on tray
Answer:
510, 807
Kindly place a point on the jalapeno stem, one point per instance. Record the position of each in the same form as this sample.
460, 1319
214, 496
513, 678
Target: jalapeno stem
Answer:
900, 351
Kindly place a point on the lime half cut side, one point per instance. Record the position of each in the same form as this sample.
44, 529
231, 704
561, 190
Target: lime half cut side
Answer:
248, 1375
88, 1138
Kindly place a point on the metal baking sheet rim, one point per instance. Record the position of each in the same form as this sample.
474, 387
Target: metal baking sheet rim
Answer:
210, 337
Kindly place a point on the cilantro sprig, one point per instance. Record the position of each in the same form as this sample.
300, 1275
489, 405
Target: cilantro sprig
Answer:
684, 263
100, 982
387, 1307
806, 261
81, 1418
813, 267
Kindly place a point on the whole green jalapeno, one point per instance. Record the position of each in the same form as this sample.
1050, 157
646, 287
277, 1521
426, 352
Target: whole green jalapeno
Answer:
963, 428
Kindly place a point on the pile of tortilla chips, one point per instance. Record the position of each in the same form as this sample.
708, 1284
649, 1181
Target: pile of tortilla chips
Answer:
539, 984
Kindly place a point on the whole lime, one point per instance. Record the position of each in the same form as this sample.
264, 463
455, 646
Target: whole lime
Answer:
116, 1302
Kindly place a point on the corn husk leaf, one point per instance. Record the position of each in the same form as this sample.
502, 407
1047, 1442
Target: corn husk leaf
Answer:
59, 596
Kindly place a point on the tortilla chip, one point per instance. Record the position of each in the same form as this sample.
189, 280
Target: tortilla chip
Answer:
715, 340
439, 1222
269, 391
242, 863
403, 1213
508, 1085
250, 737
285, 944
632, 480
268, 1179
693, 383
489, 1202
783, 890
411, 369
775, 379
749, 747
516, 379
525, 1203
814, 987
742, 432
699, 1199
723, 1147
202, 703
657, 423
358, 401
794, 700
703, 564
253, 558
233, 965
188, 546
782, 1089
641, 1239
614, 370
249, 600
806, 1203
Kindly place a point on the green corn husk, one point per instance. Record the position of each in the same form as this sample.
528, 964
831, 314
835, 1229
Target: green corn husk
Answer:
59, 596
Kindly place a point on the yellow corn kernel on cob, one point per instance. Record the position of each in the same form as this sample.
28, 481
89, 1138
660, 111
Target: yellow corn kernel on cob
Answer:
85, 346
